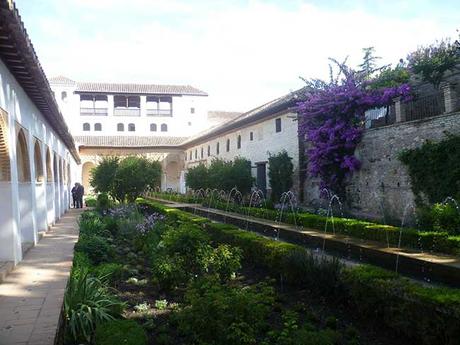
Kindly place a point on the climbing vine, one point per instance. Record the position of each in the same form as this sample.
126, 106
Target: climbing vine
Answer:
331, 121
434, 169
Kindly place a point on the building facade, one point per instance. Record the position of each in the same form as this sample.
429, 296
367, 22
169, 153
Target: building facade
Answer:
38, 158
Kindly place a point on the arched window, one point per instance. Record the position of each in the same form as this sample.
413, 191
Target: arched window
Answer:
120, 127
217, 148
228, 145
38, 162
86, 127
164, 127
49, 173
64, 96
22, 158
5, 171
131, 127
153, 127
238, 142
209, 150
97, 127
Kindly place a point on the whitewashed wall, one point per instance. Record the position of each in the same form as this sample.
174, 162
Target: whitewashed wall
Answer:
265, 141
178, 123
28, 207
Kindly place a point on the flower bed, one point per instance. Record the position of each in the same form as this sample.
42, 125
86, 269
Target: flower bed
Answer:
426, 315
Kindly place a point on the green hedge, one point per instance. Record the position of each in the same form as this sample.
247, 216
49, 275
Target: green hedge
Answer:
426, 240
427, 315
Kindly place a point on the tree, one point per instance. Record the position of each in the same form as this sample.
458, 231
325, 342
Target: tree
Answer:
280, 170
369, 65
197, 177
431, 62
102, 176
241, 176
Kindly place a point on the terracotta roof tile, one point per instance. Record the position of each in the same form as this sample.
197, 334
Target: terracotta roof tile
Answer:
128, 141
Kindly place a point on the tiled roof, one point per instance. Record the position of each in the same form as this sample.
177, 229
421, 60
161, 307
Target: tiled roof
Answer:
61, 80
128, 141
139, 89
228, 115
286, 102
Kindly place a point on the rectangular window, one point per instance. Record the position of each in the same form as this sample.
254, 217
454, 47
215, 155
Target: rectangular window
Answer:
251, 136
192, 110
278, 125
127, 105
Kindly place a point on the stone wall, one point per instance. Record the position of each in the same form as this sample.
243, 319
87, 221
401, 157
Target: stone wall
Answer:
382, 186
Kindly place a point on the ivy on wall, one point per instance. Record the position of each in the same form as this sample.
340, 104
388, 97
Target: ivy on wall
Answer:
434, 169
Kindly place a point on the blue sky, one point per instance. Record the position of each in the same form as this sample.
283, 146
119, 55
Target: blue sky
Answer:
243, 53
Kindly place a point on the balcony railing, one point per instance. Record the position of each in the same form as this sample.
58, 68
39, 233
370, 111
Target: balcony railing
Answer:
159, 112
379, 117
127, 111
424, 106
94, 111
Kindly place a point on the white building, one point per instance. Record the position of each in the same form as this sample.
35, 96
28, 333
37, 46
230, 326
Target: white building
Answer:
38, 157
254, 135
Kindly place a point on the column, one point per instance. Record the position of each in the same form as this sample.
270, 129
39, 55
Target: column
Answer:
450, 97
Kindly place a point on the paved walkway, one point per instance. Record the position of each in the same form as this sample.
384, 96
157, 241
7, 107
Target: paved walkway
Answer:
31, 297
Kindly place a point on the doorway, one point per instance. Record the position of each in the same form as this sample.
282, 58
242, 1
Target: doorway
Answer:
261, 178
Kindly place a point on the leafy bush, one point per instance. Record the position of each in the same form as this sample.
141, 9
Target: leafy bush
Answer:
109, 272
90, 201
95, 247
280, 170
87, 304
126, 332
103, 176
103, 202
92, 225
224, 261
222, 174
219, 314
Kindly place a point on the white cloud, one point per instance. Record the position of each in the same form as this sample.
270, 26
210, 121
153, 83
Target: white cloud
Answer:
242, 56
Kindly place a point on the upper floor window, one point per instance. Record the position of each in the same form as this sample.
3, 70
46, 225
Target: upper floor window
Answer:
164, 127
202, 153
278, 125
93, 105
160, 106
120, 127
192, 110
153, 127
64, 96
131, 127
238, 142
209, 150
228, 145
190, 155
217, 148
196, 153
86, 127
251, 136
127, 105
97, 127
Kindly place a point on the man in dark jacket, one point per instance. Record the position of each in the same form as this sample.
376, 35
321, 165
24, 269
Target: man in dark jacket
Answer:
74, 195
80, 192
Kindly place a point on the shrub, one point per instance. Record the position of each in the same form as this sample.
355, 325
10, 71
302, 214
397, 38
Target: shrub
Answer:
224, 261
109, 272
280, 170
87, 304
218, 314
446, 217
92, 226
95, 247
126, 332
102, 176
90, 201
103, 202
197, 177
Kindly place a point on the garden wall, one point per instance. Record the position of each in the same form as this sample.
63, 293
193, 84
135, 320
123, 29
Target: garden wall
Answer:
382, 186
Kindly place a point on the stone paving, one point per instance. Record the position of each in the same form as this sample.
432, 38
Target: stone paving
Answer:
31, 296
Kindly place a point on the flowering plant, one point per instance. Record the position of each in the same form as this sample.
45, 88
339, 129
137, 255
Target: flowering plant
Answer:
331, 121
149, 223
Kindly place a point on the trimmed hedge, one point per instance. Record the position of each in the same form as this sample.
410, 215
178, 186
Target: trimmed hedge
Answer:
427, 315
426, 240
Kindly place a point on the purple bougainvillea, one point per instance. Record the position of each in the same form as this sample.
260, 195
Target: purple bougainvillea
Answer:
331, 121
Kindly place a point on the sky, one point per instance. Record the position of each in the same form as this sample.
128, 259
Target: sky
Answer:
243, 53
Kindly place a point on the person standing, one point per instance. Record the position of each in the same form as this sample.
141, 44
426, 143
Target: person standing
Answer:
80, 193
74, 195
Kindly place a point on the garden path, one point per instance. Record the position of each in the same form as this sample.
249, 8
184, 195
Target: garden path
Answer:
31, 296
